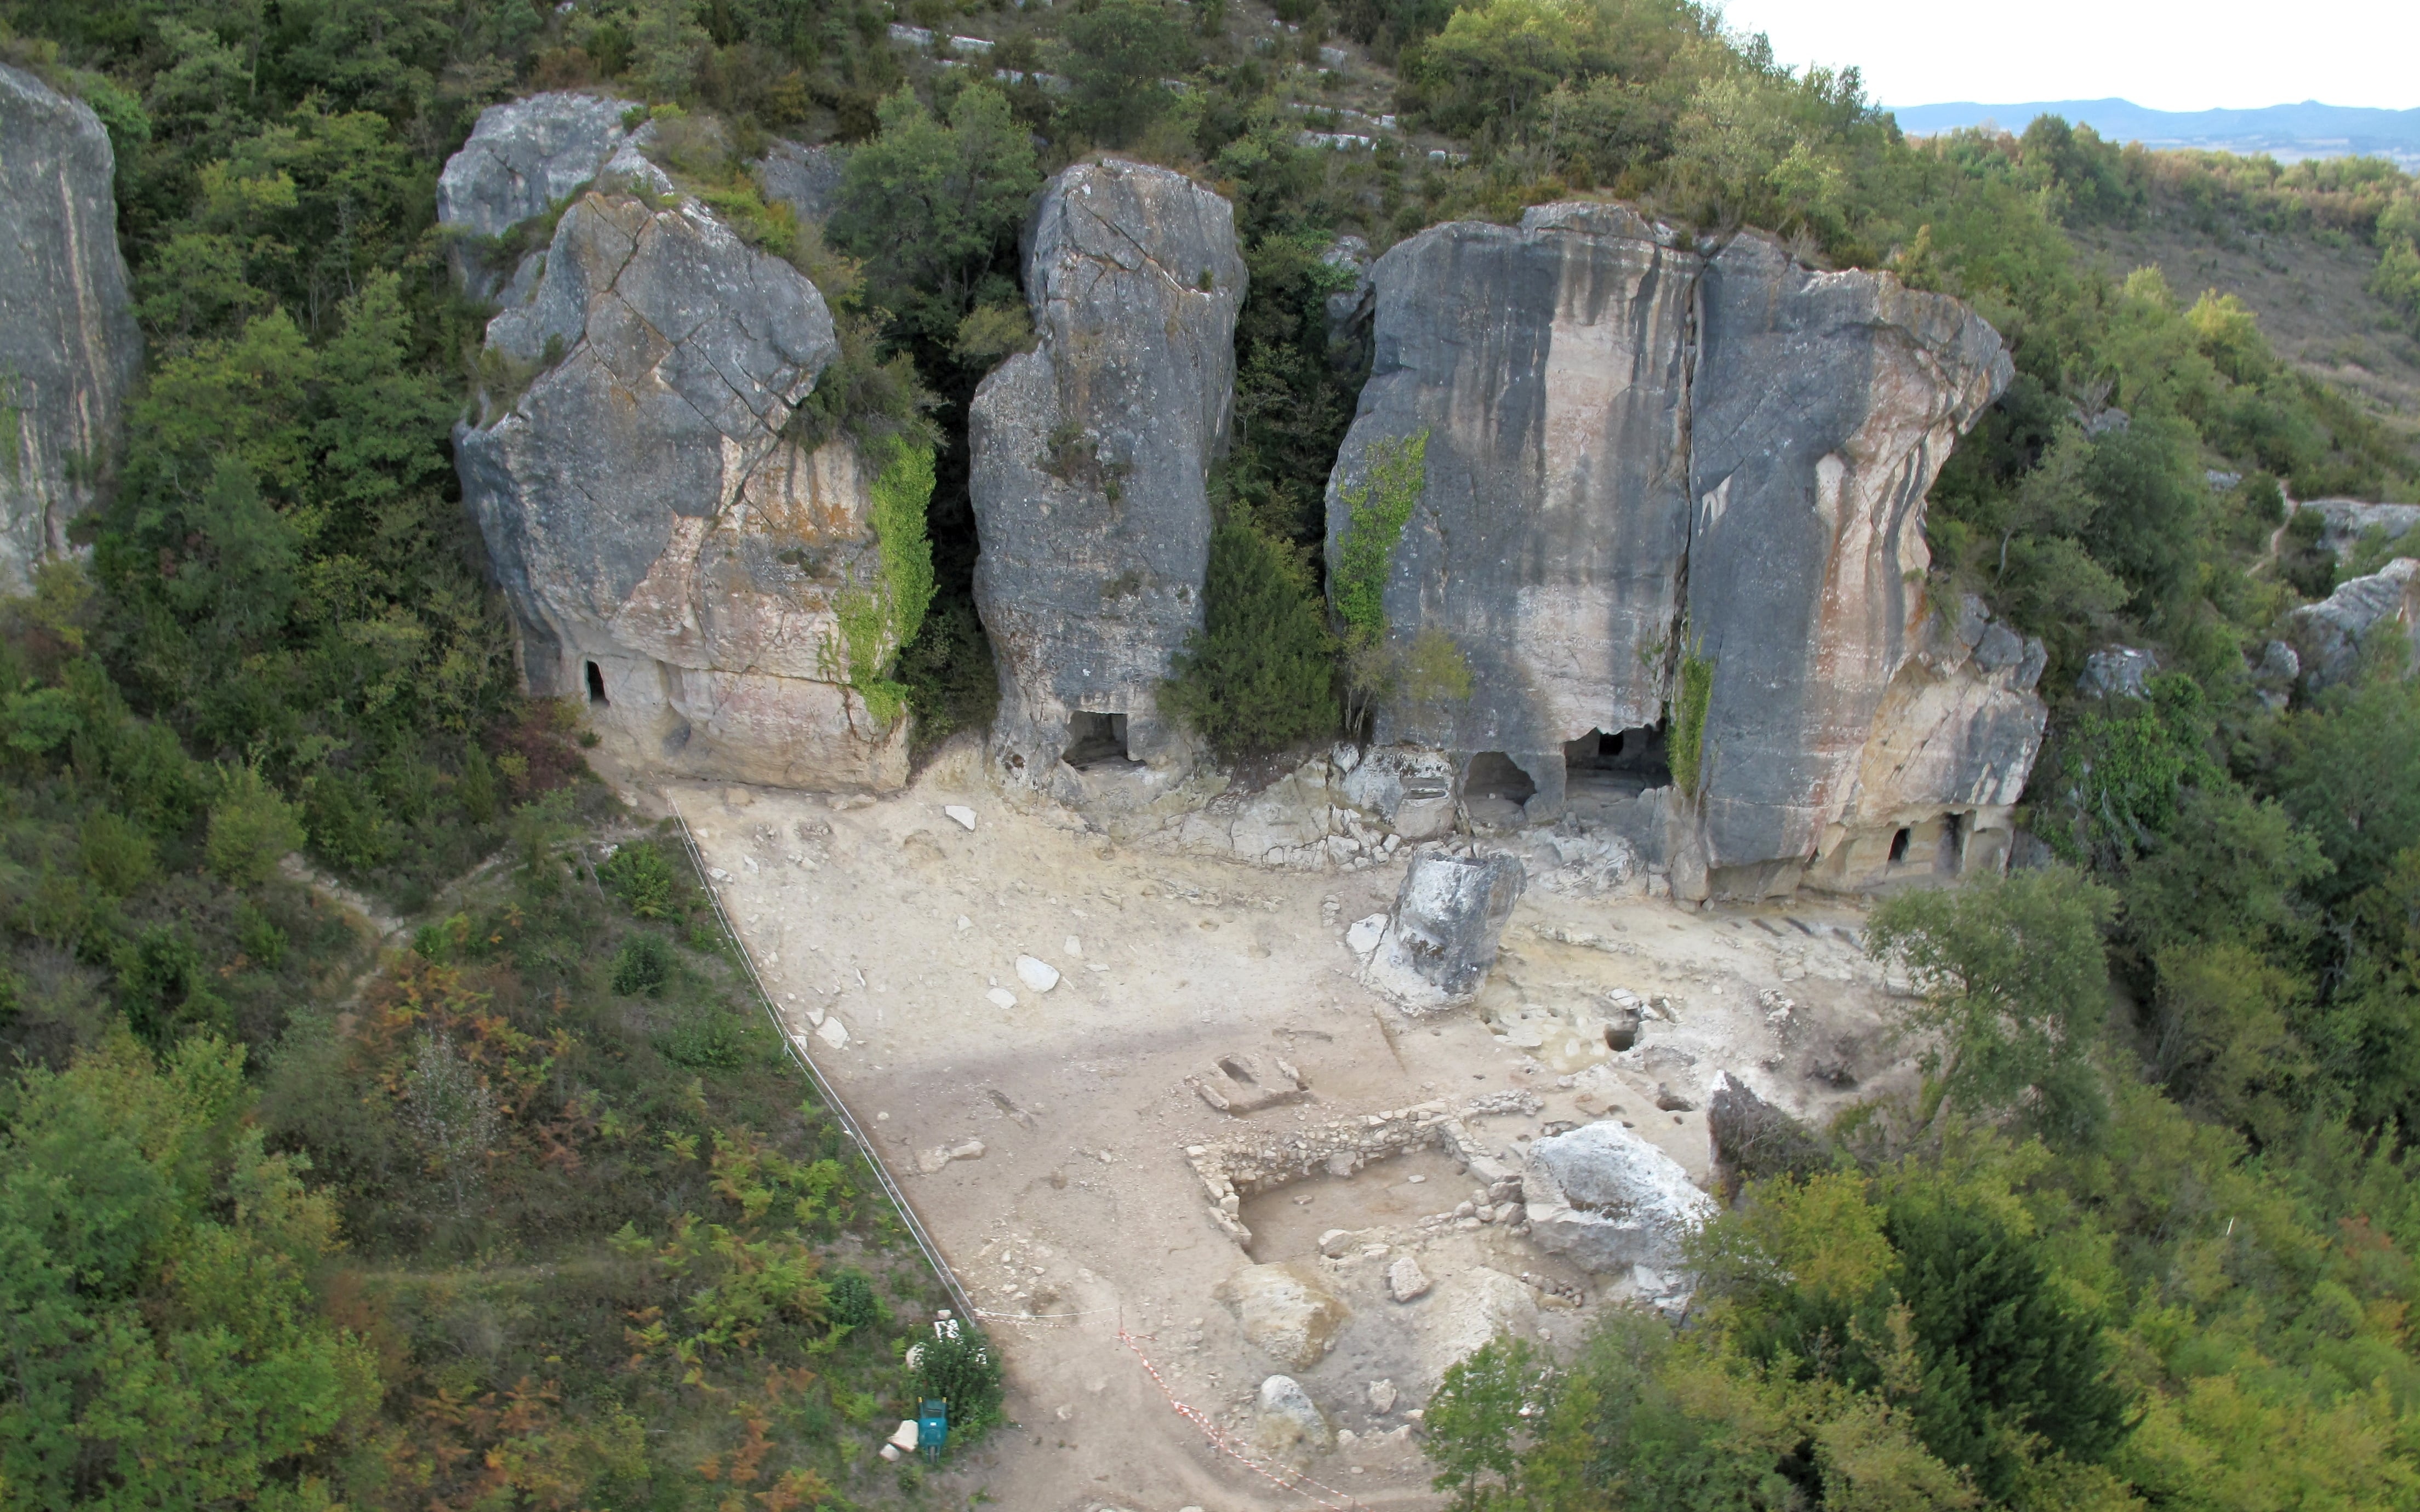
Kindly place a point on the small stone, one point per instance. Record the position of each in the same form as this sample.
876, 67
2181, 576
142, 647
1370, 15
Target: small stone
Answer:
959, 812
1075, 946
1382, 1396
1041, 975
1405, 1279
1334, 1243
971, 1150
1001, 997
1347, 1438
1415, 1178
1365, 934
832, 1032
965, 924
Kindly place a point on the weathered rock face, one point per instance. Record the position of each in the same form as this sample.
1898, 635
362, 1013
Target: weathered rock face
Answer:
523, 159
2332, 635
1822, 407
526, 155
1549, 367
1090, 454
69, 346
1638, 451
1449, 921
665, 549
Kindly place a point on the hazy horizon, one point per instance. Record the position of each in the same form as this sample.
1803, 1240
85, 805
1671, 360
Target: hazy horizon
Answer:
2354, 54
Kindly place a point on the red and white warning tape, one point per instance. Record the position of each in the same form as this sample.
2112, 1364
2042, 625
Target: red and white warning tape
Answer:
1277, 1474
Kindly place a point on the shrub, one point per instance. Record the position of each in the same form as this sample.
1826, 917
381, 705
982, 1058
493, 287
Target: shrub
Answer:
853, 1303
643, 877
956, 1366
643, 966
251, 830
1261, 673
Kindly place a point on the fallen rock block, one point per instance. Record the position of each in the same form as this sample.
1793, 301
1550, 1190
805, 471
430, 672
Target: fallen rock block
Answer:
1406, 1281
1449, 921
1287, 1423
1249, 1082
1606, 1200
1041, 975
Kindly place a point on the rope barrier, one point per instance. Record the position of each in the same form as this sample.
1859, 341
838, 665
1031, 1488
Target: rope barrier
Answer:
824, 1089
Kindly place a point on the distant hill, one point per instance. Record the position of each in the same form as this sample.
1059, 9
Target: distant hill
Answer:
2309, 129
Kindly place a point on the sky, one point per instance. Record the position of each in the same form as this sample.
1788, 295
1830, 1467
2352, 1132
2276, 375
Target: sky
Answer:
2169, 54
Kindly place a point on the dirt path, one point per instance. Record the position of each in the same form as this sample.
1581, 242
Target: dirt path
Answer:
898, 924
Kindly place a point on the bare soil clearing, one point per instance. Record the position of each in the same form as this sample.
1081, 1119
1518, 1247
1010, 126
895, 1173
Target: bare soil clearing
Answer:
1081, 1219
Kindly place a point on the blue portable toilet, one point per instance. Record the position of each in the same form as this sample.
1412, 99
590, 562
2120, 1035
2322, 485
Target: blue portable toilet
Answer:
933, 1429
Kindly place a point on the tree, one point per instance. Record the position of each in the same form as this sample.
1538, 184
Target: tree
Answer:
2015, 992
1478, 1420
1259, 674
165, 1346
1118, 52
931, 205
251, 828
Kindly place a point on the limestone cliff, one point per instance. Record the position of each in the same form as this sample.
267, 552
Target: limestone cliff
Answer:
70, 349
667, 552
1641, 453
1091, 455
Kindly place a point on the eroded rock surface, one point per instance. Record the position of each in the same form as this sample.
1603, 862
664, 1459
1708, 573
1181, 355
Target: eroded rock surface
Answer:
1638, 451
70, 349
1286, 1311
668, 553
2334, 633
1449, 921
1822, 407
1091, 455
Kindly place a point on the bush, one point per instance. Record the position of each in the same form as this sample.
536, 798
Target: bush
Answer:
853, 1304
957, 1367
643, 966
643, 877
251, 830
1259, 674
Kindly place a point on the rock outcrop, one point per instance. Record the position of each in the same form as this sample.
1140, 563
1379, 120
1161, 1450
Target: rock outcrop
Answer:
1090, 456
1641, 455
668, 551
523, 159
2332, 635
70, 349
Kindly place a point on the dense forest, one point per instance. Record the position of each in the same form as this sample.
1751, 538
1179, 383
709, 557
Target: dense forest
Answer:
290, 1218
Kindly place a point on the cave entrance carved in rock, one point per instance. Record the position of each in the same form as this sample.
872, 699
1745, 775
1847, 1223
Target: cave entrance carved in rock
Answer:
1093, 736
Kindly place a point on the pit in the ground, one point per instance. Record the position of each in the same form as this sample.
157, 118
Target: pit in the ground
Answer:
1286, 1223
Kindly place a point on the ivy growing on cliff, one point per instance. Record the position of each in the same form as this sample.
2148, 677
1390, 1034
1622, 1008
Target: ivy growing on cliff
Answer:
875, 621
1378, 510
1694, 693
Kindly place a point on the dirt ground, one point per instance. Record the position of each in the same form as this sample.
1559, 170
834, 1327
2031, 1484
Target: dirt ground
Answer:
1081, 1219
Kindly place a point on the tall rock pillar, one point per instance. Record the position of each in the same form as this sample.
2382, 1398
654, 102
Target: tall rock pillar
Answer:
1091, 460
70, 349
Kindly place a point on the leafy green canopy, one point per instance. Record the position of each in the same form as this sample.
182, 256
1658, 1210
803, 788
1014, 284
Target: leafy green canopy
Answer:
1259, 675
